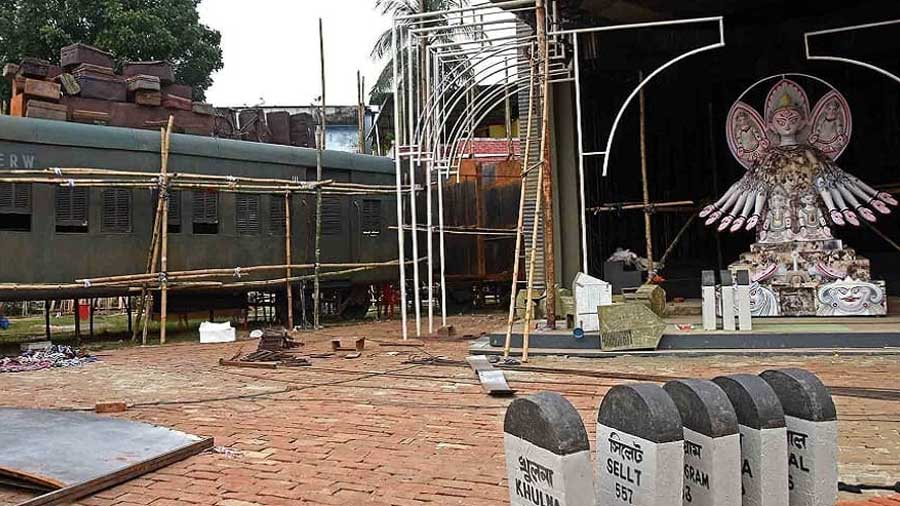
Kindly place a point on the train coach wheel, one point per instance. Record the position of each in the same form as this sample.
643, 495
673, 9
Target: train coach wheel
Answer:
355, 302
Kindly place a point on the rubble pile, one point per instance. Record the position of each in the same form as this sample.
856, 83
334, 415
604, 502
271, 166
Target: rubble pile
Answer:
53, 356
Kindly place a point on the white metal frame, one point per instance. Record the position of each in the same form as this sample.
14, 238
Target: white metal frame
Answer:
615, 125
460, 50
851, 61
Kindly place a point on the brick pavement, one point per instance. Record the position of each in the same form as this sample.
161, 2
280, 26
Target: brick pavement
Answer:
376, 431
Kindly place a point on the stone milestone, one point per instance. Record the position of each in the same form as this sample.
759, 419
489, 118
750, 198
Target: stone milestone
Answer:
712, 444
640, 447
764, 473
812, 431
548, 461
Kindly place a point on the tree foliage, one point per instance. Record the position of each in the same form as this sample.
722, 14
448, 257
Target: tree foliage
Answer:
383, 48
132, 30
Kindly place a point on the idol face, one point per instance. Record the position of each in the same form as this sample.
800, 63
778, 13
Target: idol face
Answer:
787, 121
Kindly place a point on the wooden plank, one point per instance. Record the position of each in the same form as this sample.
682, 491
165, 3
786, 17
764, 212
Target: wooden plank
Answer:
252, 365
78, 491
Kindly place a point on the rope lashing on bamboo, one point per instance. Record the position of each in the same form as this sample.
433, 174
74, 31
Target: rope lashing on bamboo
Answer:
87, 283
163, 279
237, 272
57, 171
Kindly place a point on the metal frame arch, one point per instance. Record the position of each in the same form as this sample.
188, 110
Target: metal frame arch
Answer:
850, 61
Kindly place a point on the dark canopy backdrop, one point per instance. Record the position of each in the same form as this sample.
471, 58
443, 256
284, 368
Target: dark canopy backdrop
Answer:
687, 104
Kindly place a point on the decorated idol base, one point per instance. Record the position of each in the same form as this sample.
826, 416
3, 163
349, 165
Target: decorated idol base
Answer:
811, 278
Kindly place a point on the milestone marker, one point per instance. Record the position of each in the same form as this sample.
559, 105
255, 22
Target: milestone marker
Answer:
712, 444
640, 447
764, 473
811, 420
548, 460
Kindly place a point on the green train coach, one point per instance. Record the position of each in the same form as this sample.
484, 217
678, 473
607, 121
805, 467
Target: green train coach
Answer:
52, 233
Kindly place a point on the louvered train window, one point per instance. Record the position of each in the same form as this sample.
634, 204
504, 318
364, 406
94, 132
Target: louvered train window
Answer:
276, 214
15, 207
205, 212
72, 210
370, 220
246, 214
332, 215
174, 210
116, 215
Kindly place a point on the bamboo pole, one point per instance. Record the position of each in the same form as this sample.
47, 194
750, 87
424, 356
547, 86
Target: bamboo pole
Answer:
146, 297
360, 114
320, 146
529, 299
547, 172
632, 206
287, 258
164, 258
521, 221
648, 227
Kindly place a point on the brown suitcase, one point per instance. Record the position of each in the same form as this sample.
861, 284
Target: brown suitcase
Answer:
34, 67
103, 87
160, 69
173, 102
148, 98
203, 108
42, 89
143, 83
279, 127
179, 90
88, 110
17, 105
46, 110
94, 70
78, 53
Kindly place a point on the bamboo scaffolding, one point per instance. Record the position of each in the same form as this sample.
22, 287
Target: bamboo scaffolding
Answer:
320, 146
287, 258
529, 287
164, 223
521, 220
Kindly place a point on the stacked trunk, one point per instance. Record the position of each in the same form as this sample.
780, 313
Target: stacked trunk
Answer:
85, 88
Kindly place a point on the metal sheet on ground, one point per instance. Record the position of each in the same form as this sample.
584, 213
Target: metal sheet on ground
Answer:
66, 449
493, 381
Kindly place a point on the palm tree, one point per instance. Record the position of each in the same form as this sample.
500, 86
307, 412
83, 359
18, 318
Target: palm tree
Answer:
384, 50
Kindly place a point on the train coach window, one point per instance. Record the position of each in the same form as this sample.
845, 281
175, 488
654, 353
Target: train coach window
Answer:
116, 216
276, 215
332, 215
72, 209
174, 210
370, 220
205, 212
15, 207
246, 208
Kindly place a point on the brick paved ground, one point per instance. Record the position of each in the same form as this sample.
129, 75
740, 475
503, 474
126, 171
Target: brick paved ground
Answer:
377, 431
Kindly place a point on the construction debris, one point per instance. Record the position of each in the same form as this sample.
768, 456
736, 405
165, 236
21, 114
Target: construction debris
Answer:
273, 351
277, 339
359, 345
54, 356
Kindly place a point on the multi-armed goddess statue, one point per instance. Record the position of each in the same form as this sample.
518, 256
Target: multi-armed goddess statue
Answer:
791, 195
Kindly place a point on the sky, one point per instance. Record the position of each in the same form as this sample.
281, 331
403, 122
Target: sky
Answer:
271, 50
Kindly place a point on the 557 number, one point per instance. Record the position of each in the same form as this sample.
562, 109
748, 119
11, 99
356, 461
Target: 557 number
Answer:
624, 493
